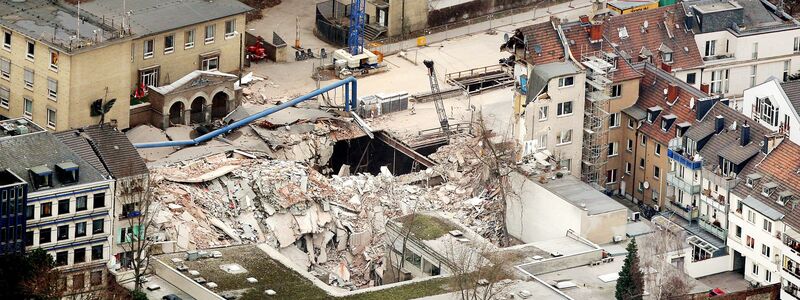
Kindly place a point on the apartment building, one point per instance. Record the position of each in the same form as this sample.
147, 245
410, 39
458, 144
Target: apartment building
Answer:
775, 104
13, 195
112, 154
54, 73
69, 205
737, 40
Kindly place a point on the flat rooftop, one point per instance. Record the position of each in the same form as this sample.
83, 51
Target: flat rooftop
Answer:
716, 6
16, 127
582, 195
7, 177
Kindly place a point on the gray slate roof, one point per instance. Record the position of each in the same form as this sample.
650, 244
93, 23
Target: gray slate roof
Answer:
792, 91
20, 153
116, 151
542, 74
763, 208
78, 144
726, 143
701, 130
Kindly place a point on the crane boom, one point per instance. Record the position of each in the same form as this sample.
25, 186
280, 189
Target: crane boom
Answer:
437, 97
355, 39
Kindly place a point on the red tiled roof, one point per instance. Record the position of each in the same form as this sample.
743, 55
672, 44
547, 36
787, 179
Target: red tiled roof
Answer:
580, 44
665, 27
544, 37
651, 94
782, 164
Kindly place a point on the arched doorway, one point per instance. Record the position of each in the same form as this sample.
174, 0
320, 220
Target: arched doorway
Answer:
219, 105
176, 113
198, 115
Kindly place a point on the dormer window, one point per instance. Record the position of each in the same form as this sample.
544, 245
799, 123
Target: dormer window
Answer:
41, 177
728, 167
752, 179
666, 57
652, 113
67, 172
682, 127
785, 197
666, 122
769, 188
566, 81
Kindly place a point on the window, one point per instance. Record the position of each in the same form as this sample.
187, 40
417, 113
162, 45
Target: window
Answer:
627, 168
786, 65
63, 206
80, 229
566, 81
657, 149
629, 147
641, 163
45, 236
644, 140
78, 282
149, 48
755, 269
52, 89
542, 141
31, 50
210, 63
753, 71
61, 258
613, 120
767, 112
767, 225
796, 44
210, 33
565, 164
96, 277
62, 232
188, 39
29, 238
655, 196
611, 176
751, 216
51, 118
79, 255
613, 149
641, 186
80, 203
754, 55
728, 167
765, 250
149, 77
99, 200
7, 40
5, 68
543, 113
5, 95
616, 91
750, 242
54, 60
97, 252
98, 226
45, 210
565, 136
710, 49
169, 44
29, 212
230, 28
28, 78
631, 123
691, 78
564, 108
28, 108
656, 172
413, 258
738, 231
667, 56
719, 81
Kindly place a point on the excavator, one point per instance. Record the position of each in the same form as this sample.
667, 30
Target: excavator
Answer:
437, 97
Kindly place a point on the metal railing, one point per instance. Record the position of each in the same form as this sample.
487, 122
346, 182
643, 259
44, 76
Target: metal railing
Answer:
713, 229
683, 212
679, 158
681, 184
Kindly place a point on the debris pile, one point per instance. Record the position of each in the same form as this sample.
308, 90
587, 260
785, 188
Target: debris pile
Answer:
334, 226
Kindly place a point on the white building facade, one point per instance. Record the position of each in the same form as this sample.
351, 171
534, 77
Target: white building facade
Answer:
770, 104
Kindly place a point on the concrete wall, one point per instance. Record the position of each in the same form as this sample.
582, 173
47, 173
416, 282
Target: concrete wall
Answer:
772, 90
652, 160
630, 93
711, 266
538, 214
92, 73
416, 16
564, 262
182, 282
140, 114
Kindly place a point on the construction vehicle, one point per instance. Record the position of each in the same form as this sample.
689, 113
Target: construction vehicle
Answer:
436, 93
355, 57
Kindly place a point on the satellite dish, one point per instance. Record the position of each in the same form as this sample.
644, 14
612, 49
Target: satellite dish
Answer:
691, 103
646, 185
505, 37
646, 23
665, 91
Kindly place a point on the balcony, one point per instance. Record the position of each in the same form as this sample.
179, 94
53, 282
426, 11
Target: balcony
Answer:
688, 214
794, 245
724, 182
716, 230
690, 188
718, 202
719, 58
686, 162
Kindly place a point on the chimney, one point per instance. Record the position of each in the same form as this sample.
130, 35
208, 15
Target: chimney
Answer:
596, 32
666, 67
745, 134
703, 106
704, 88
672, 92
719, 124
765, 145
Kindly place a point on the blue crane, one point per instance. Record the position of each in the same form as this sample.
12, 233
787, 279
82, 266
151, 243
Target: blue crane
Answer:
355, 40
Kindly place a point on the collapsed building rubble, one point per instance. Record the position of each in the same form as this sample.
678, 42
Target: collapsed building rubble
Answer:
334, 226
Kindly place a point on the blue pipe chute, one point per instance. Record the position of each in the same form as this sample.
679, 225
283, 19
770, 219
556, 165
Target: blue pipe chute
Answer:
350, 103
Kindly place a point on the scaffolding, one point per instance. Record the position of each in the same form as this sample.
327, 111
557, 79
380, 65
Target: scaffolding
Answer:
599, 72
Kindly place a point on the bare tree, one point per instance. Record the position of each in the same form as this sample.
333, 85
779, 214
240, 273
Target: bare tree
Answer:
663, 280
137, 194
477, 270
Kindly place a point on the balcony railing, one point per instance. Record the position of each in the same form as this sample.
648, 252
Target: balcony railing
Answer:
724, 182
793, 244
680, 183
688, 214
687, 162
718, 58
713, 229
718, 202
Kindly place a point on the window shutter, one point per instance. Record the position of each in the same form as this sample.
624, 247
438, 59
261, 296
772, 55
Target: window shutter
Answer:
5, 66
